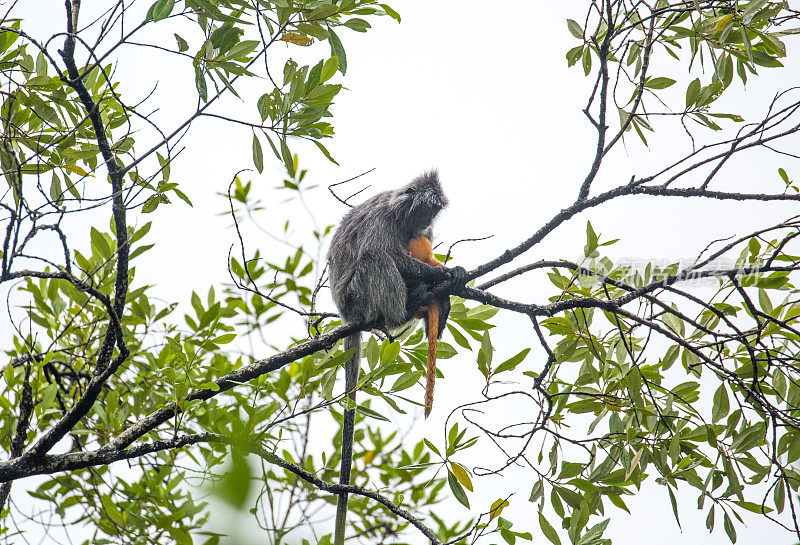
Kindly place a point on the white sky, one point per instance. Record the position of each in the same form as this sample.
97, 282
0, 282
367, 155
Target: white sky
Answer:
481, 91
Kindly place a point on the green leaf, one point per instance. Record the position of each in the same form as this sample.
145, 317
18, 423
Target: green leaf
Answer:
160, 10
258, 154
289, 70
390, 12
48, 396
674, 504
763, 300
200, 83
779, 496
242, 49
591, 241
729, 529
733, 479
151, 204
180, 535
749, 11
56, 193
485, 355
313, 29
574, 55
616, 500
575, 29
771, 42
182, 196
224, 339
225, 38
313, 76
432, 447
748, 438
41, 65
548, 531
659, 83
182, 45
325, 152
458, 492
366, 411
593, 533
753, 507
359, 25
764, 59
339, 359
286, 155
407, 380
459, 338
337, 50
721, 404
692, 92
570, 469
329, 69
390, 352
512, 362
586, 61
372, 351
323, 11
111, 509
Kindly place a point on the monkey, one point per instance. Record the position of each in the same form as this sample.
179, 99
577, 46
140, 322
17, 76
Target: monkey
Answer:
434, 315
370, 270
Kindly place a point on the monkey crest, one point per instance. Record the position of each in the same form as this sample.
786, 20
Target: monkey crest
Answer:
418, 203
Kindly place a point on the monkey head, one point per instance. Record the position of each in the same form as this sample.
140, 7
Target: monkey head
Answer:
419, 202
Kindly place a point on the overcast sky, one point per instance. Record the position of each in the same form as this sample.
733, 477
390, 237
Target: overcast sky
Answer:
481, 91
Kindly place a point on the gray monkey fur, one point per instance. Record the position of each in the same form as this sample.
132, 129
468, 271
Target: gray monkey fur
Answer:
370, 272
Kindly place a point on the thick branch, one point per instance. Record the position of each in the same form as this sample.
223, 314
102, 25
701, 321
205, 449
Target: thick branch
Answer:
113, 335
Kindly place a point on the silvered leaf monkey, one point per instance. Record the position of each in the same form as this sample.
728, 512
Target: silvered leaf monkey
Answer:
370, 270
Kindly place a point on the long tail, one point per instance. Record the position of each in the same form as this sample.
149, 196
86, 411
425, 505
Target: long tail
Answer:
430, 374
348, 427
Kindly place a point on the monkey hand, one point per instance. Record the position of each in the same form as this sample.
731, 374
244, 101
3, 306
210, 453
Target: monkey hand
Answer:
457, 277
417, 298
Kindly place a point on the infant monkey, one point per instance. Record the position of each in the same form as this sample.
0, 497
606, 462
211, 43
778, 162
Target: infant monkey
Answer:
370, 275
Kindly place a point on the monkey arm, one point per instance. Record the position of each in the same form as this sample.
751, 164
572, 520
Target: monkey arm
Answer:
423, 277
414, 270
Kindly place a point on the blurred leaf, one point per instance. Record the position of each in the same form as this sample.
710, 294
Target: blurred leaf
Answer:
234, 485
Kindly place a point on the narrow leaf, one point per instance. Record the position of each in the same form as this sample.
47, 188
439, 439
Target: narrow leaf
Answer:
462, 476
458, 492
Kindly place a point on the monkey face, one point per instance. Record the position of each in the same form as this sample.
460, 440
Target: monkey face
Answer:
422, 200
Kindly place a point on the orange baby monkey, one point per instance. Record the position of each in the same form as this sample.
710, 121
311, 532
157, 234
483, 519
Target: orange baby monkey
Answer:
420, 248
